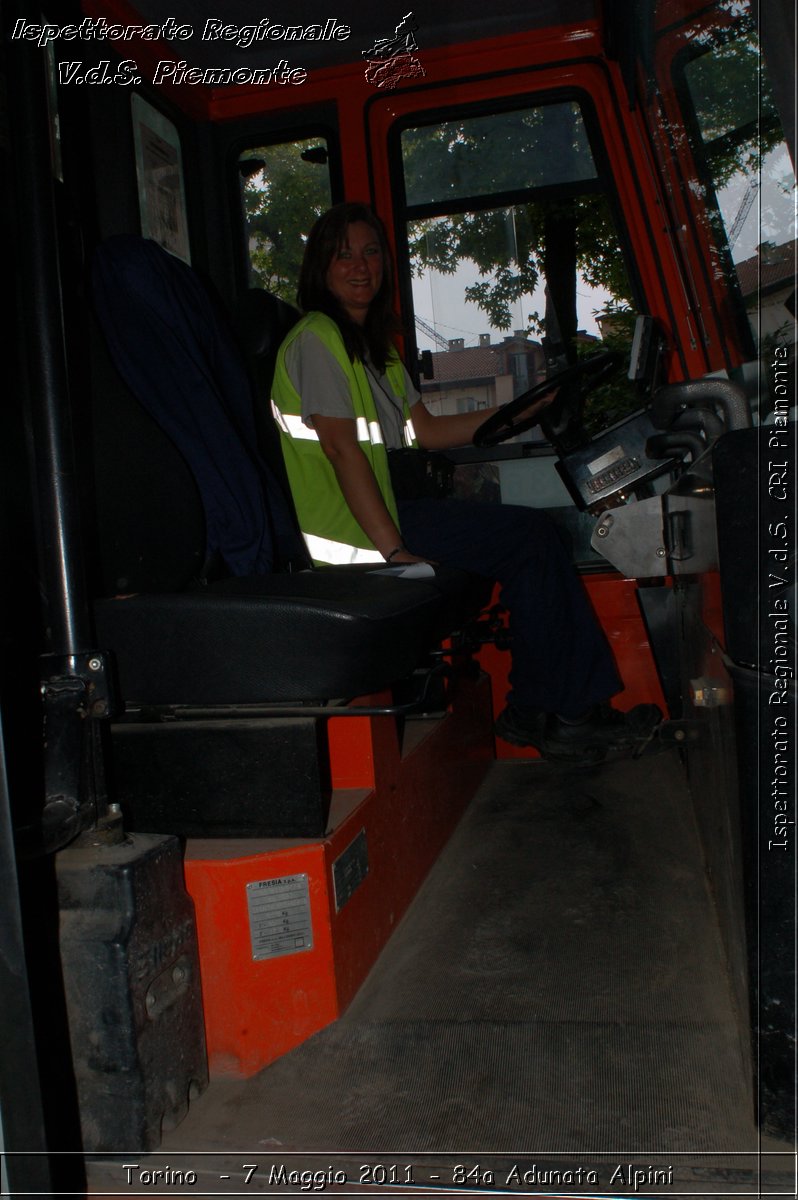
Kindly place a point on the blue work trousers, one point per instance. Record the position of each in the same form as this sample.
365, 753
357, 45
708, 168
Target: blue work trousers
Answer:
561, 660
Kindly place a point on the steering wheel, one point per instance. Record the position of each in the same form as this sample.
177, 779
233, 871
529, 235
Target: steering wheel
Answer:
576, 383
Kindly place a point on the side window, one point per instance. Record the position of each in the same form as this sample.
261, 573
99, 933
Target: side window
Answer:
284, 188
516, 263
748, 175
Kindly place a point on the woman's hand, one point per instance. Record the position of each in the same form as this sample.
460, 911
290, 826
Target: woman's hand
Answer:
404, 556
458, 429
533, 410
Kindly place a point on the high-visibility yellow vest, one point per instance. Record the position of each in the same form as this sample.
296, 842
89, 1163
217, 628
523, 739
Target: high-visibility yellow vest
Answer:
331, 533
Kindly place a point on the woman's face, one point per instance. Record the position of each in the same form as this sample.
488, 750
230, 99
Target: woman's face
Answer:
355, 272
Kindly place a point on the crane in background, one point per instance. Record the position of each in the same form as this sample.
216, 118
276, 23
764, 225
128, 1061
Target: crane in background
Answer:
436, 337
744, 209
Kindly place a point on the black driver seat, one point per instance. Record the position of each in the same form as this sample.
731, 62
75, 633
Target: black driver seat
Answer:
218, 616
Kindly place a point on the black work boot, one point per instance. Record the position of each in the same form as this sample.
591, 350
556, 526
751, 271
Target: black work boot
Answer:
521, 726
603, 731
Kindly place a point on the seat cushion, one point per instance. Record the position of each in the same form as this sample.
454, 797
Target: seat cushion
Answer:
307, 636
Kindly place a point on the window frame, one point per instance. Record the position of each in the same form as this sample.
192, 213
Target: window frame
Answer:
701, 153
256, 137
517, 102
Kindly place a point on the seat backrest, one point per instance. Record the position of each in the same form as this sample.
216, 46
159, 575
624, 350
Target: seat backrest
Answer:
261, 321
173, 346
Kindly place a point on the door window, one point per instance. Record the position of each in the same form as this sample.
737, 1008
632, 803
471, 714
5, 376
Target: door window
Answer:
284, 188
748, 174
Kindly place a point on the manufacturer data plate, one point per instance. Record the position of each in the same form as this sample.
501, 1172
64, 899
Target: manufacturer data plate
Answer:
279, 916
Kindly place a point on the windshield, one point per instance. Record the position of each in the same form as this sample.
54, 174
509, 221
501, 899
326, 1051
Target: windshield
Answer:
516, 260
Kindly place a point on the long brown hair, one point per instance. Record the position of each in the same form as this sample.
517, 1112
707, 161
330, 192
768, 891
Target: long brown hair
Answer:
329, 234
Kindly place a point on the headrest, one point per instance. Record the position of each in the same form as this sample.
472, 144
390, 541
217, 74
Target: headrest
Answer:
262, 320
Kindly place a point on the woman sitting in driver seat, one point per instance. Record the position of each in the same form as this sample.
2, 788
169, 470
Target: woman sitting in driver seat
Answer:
343, 401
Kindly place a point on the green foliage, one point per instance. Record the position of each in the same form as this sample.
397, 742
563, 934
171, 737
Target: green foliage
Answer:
539, 148
281, 201
507, 245
619, 396
544, 151
734, 107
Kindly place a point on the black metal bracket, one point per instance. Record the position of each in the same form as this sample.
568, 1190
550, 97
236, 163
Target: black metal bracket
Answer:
489, 629
77, 696
679, 535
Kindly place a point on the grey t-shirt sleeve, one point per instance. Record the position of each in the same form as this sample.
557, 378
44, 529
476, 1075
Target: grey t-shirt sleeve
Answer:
318, 378
324, 389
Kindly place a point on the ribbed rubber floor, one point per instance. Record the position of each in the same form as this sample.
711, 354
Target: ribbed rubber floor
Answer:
558, 985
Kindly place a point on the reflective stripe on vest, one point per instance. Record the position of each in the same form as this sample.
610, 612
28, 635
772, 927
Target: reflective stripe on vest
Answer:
295, 427
325, 550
